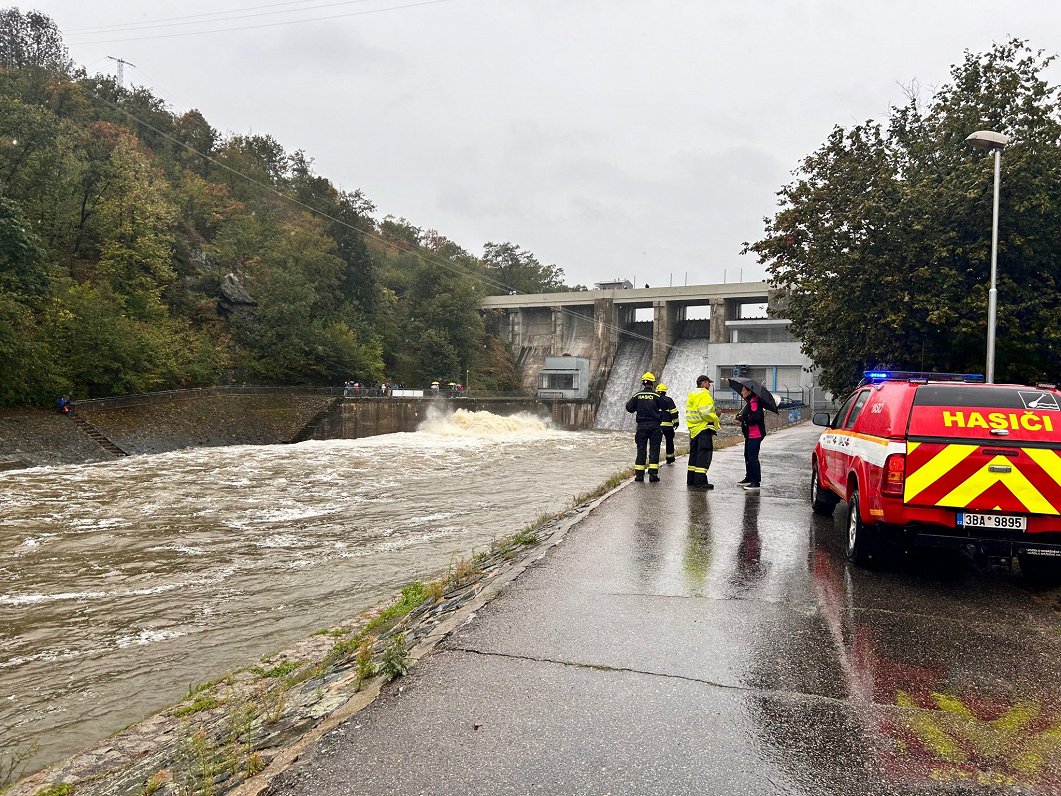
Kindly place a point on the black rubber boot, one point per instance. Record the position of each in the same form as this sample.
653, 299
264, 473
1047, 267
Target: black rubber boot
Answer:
653, 478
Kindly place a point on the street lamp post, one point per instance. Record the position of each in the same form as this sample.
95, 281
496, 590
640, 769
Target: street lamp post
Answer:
995, 143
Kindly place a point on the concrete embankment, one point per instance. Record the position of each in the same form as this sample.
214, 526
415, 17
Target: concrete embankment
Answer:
152, 425
162, 422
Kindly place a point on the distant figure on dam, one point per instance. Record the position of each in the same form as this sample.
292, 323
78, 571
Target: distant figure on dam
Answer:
649, 410
670, 421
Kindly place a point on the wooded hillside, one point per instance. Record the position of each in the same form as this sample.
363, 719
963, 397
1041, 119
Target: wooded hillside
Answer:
140, 250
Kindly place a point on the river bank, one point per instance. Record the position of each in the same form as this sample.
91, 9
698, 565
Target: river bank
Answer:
233, 734
313, 678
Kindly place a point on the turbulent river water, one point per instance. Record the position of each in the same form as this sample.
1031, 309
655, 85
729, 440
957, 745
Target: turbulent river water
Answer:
122, 583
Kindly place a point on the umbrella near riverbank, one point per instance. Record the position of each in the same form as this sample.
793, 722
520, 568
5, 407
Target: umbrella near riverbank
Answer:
758, 390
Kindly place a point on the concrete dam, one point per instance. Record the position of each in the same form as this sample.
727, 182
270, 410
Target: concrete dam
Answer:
622, 331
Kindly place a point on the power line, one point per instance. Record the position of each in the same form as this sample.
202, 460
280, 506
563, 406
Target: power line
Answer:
266, 25
429, 258
196, 18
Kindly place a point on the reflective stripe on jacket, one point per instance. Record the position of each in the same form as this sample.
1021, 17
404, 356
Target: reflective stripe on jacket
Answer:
670, 412
700, 412
646, 405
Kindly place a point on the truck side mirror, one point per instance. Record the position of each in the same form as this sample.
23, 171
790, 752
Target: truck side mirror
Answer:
820, 419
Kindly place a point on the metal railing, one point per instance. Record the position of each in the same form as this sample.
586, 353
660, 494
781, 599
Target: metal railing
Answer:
164, 396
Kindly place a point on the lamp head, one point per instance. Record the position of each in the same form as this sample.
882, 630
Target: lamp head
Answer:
988, 139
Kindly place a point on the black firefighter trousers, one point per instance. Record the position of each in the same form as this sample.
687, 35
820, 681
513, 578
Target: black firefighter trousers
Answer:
648, 440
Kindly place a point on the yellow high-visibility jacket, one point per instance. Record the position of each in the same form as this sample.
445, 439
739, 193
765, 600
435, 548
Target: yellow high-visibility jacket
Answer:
700, 412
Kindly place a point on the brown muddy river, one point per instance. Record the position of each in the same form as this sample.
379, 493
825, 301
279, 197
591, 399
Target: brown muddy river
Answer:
123, 583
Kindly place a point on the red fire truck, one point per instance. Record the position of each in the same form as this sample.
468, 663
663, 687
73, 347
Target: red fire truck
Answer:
945, 461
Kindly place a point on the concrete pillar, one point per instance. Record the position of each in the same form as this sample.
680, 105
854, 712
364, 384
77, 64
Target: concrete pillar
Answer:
559, 325
515, 328
664, 332
717, 333
606, 341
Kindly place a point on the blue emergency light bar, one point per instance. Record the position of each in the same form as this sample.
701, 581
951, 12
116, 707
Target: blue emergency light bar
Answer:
917, 375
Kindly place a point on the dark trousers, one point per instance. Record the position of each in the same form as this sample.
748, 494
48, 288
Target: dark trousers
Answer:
701, 449
647, 440
751, 460
668, 436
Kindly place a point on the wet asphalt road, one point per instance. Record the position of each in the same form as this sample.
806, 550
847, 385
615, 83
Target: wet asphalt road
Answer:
719, 643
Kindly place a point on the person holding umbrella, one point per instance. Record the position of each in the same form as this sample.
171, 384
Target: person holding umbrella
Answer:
752, 420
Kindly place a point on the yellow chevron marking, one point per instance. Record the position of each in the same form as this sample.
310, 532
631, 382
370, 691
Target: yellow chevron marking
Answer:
1048, 460
935, 468
1015, 481
911, 446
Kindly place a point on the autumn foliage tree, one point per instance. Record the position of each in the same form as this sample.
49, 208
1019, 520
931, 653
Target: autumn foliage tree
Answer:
882, 241
122, 221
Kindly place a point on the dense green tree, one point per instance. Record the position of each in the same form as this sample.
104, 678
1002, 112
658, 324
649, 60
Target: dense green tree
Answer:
23, 271
31, 40
136, 221
510, 268
882, 242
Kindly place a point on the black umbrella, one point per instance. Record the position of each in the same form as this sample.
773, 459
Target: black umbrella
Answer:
758, 390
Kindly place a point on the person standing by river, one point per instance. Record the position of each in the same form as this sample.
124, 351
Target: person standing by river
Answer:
753, 425
647, 405
702, 422
670, 421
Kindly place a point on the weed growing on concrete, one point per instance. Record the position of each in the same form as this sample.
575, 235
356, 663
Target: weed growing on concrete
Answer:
281, 670
412, 597
366, 668
525, 538
198, 688
201, 703
341, 651
13, 764
254, 765
157, 781
57, 790
395, 661
273, 700
239, 734
200, 761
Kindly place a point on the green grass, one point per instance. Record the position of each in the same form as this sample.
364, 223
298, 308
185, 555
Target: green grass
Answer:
280, 670
413, 596
56, 790
201, 703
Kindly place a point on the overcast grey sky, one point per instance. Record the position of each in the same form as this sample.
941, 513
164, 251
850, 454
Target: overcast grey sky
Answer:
613, 138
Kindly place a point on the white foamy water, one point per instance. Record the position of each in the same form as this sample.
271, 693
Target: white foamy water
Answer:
123, 582
686, 361
631, 360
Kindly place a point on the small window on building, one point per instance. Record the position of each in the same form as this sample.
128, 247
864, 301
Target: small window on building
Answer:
558, 381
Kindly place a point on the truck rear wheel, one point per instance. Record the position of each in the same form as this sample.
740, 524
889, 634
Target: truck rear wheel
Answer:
822, 500
1044, 570
860, 537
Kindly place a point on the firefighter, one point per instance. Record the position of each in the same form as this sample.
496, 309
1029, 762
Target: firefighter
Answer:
649, 410
702, 422
670, 420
